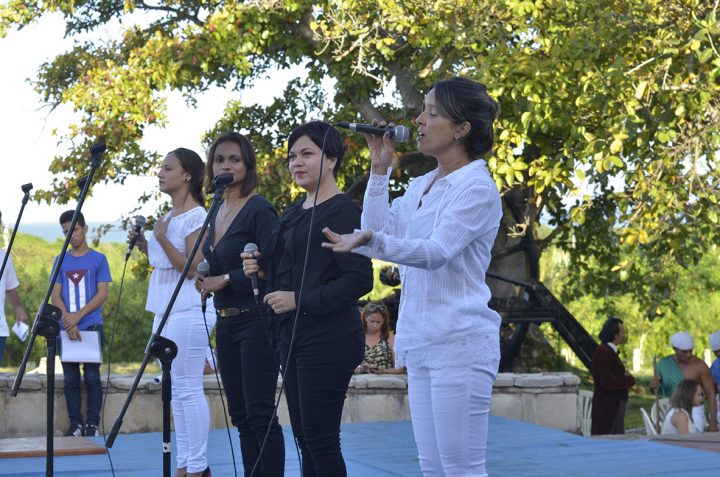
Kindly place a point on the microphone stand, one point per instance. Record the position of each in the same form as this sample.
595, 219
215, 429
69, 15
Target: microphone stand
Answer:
163, 349
26, 189
47, 321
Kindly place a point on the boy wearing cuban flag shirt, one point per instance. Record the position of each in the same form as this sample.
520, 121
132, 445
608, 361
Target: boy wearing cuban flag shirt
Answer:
80, 291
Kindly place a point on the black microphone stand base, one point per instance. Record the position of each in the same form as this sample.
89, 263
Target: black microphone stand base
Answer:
49, 328
165, 350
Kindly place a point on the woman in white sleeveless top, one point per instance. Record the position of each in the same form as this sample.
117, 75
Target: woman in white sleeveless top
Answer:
678, 419
181, 177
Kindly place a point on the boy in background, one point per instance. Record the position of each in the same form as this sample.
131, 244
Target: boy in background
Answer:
80, 291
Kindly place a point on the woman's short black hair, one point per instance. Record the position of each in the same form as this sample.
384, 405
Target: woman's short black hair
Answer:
460, 100
248, 157
610, 329
317, 131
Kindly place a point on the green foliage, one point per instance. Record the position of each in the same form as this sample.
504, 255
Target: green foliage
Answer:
696, 301
609, 105
33, 258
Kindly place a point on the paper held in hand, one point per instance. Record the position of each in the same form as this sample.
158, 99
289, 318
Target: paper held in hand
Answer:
21, 330
85, 350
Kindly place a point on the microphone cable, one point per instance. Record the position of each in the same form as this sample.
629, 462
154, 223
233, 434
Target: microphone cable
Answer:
297, 314
220, 392
110, 347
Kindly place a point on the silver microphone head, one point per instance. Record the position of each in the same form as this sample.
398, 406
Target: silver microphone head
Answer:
250, 247
400, 134
139, 221
203, 268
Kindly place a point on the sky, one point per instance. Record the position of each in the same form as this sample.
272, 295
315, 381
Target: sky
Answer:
26, 127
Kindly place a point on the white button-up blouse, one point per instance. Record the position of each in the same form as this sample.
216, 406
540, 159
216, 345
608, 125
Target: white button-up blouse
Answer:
442, 241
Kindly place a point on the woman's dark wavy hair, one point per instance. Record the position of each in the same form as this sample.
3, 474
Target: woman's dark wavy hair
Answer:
316, 130
610, 329
191, 162
683, 396
460, 99
248, 157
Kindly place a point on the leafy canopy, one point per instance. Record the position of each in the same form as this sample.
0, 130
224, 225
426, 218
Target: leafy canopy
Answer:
610, 108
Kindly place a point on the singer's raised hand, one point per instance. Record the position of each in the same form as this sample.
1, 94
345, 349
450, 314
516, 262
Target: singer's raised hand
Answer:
343, 243
382, 148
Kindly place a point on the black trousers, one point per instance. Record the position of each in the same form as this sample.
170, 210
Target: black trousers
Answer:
249, 372
316, 383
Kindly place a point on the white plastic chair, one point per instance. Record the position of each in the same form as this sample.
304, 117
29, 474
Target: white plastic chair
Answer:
585, 411
664, 404
649, 426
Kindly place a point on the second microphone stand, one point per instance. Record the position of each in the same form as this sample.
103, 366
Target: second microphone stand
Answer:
163, 349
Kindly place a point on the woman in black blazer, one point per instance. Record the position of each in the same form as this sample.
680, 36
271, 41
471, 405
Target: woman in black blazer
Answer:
319, 332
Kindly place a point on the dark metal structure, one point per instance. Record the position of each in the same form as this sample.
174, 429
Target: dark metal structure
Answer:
535, 305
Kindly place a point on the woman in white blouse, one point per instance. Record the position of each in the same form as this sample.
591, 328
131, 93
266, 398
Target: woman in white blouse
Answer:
181, 177
441, 232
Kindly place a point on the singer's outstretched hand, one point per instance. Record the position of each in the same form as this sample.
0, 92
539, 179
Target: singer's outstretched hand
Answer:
382, 149
343, 243
251, 265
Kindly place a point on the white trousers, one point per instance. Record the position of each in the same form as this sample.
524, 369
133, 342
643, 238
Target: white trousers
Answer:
191, 415
450, 409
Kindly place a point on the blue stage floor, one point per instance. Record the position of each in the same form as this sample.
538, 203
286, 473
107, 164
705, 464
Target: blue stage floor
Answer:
383, 449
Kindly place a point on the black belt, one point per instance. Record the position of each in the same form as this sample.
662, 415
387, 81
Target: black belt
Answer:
230, 312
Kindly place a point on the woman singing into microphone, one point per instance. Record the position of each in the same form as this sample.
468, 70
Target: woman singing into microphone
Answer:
248, 366
321, 290
441, 232
181, 177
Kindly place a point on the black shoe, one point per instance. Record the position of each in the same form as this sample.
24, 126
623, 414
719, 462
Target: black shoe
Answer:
91, 430
75, 431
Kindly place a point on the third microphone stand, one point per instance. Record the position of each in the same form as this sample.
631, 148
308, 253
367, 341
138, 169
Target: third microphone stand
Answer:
26, 189
163, 349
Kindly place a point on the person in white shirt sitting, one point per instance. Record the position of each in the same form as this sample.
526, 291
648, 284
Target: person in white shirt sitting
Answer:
678, 419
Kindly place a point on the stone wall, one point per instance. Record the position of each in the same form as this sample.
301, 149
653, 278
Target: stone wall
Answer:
546, 399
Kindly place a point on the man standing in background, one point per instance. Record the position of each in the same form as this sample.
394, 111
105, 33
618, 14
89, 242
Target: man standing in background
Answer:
612, 381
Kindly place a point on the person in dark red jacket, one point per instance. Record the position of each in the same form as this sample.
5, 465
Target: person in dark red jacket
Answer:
612, 381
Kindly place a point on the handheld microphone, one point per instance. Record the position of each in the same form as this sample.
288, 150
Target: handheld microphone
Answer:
398, 133
203, 270
139, 223
251, 248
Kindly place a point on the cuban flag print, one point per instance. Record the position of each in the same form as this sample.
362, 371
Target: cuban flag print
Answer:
77, 295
